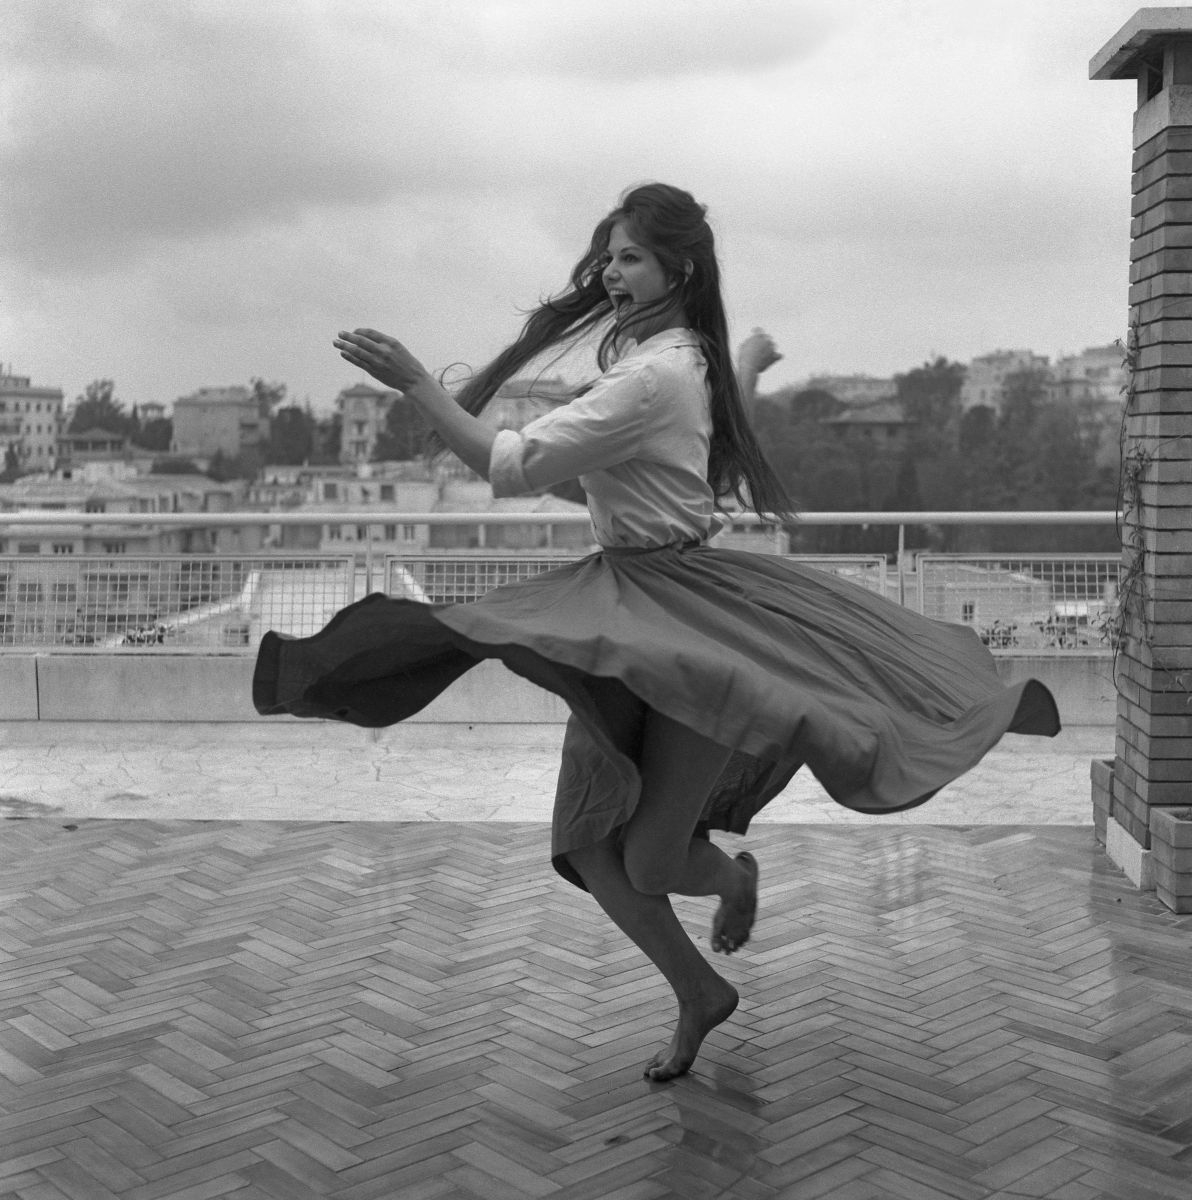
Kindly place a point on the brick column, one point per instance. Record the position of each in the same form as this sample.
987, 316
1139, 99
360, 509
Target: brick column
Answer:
1153, 762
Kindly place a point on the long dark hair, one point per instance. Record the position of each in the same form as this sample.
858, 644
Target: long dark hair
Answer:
673, 226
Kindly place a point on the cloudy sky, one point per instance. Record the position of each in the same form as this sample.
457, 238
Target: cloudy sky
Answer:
194, 192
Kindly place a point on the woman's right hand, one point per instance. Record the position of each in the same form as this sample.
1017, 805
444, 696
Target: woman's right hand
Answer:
383, 357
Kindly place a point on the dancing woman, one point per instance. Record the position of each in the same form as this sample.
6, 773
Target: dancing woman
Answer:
699, 679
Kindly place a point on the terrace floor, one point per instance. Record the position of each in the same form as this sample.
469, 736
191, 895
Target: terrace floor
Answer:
359, 1003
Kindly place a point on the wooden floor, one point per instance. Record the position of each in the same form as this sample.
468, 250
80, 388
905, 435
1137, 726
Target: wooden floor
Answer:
266, 1010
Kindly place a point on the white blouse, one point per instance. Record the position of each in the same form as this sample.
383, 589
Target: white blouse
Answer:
637, 441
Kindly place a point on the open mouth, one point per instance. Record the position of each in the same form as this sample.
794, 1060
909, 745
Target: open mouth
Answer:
620, 300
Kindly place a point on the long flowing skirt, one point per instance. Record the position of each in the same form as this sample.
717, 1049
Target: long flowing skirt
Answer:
784, 665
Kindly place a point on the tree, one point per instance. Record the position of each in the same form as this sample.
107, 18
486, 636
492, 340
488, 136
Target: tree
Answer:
404, 433
12, 464
291, 436
155, 434
267, 395
814, 404
174, 466
245, 465
930, 394
1018, 482
98, 408
327, 439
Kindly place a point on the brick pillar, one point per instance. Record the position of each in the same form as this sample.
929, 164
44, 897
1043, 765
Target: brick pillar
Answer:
1153, 763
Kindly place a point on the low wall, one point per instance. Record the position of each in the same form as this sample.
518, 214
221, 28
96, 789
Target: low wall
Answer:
210, 687
1082, 685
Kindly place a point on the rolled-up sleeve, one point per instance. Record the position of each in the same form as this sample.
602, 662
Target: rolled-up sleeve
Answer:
600, 429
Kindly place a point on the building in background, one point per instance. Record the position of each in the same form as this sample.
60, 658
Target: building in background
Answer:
1096, 375
882, 425
141, 494
218, 420
982, 387
852, 390
1094, 381
363, 409
31, 421
150, 410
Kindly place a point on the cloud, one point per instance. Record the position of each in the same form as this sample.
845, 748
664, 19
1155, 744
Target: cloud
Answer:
133, 124
235, 179
628, 39
130, 123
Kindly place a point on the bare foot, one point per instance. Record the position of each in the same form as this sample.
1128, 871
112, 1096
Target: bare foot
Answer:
735, 916
697, 1018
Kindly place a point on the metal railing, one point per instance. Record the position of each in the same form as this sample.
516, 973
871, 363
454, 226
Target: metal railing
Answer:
1018, 603
194, 602
1024, 602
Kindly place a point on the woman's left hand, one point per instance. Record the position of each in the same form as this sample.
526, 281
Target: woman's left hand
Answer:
383, 357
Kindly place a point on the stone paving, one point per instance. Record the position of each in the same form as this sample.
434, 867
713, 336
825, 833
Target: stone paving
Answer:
305, 771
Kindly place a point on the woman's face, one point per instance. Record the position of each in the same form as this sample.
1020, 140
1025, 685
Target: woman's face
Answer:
632, 274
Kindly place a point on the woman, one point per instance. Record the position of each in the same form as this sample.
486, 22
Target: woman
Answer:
699, 679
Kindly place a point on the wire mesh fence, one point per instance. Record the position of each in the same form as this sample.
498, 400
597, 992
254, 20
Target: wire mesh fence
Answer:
1033, 602
176, 602
443, 579
1024, 603
867, 570
439, 579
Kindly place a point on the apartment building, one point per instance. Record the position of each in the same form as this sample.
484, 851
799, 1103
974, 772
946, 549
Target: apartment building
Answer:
363, 410
224, 420
31, 421
982, 387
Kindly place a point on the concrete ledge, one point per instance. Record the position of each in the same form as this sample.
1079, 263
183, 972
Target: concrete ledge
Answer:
131, 686
145, 687
1129, 856
202, 688
1083, 686
18, 687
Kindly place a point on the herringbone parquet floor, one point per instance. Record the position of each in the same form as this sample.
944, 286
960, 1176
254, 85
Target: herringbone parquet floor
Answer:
365, 1011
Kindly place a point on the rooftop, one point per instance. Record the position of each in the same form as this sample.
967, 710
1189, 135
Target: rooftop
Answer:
295, 959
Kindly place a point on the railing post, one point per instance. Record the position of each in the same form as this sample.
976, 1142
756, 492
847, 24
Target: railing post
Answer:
901, 556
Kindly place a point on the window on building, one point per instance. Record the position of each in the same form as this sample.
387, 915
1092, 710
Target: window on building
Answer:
362, 533
386, 491
331, 491
390, 533
968, 611
28, 547
115, 547
63, 547
409, 533
64, 593
334, 533
28, 591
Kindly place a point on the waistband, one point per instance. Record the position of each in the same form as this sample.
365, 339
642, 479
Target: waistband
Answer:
672, 547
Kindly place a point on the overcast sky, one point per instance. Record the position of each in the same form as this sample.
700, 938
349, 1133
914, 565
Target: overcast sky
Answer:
194, 192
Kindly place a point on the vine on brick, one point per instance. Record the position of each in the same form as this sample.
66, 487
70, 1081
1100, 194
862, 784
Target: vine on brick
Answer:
1131, 614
